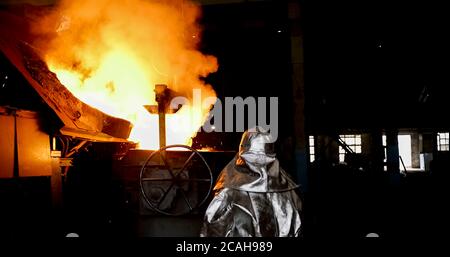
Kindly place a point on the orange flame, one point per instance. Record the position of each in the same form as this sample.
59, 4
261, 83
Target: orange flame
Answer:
110, 54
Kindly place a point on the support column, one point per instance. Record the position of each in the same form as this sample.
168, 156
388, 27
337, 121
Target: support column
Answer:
296, 39
56, 178
56, 183
372, 149
392, 152
327, 149
429, 148
415, 150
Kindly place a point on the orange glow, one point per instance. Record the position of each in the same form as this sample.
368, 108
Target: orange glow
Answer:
110, 54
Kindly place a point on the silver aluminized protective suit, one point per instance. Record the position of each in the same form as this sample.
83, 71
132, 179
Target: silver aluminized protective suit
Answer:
254, 196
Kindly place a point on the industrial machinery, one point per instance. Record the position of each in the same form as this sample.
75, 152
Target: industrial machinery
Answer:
175, 179
161, 182
56, 135
168, 189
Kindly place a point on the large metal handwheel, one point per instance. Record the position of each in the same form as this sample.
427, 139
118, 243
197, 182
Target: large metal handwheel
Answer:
175, 187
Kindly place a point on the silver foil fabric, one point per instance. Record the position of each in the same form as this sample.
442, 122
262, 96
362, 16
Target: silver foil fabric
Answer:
254, 196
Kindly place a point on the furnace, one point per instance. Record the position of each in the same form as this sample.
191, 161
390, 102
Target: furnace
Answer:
37, 107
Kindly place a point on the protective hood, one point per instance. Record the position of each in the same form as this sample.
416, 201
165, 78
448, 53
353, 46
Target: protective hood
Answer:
255, 167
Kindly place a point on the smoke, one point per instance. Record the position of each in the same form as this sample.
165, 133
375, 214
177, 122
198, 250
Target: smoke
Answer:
110, 53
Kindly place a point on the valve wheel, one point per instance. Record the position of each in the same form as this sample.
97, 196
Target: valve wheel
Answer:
172, 190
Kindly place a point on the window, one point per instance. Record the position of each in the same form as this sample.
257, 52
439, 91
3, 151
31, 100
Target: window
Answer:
442, 141
404, 150
353, 141
312, 156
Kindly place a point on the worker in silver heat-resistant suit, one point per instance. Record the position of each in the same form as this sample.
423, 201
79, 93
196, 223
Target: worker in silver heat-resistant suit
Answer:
254, 196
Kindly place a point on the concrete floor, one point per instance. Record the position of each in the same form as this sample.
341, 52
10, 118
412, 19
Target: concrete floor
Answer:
159, 226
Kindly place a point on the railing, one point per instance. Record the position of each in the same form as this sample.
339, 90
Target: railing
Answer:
404, 167
344, 145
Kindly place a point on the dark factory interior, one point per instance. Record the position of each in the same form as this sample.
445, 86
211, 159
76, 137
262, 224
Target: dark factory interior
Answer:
361, 99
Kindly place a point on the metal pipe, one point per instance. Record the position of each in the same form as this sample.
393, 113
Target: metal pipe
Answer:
162, 128
160, 95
